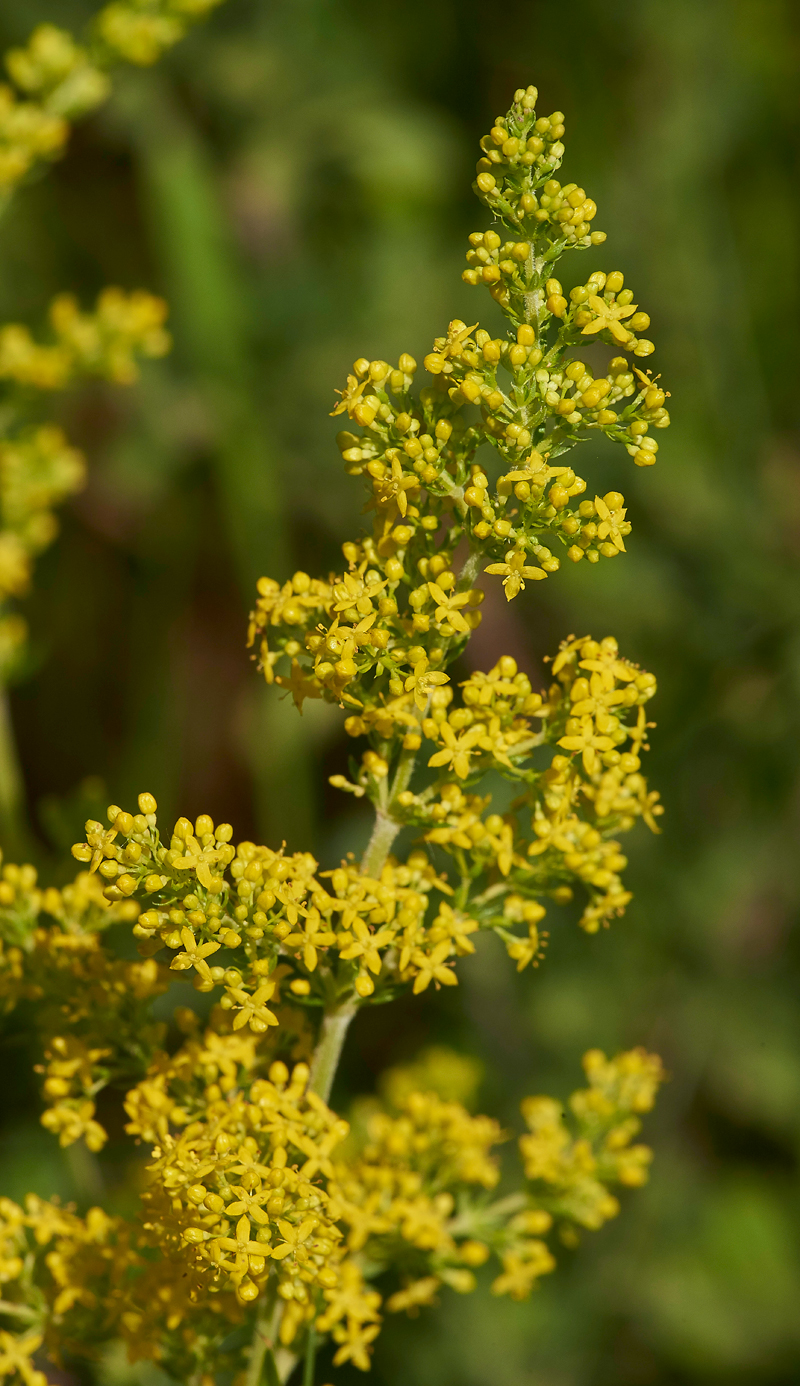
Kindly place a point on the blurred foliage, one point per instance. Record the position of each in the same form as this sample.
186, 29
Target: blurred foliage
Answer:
296, 181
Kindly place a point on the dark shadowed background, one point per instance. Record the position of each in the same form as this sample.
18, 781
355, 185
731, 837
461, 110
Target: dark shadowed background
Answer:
295, 179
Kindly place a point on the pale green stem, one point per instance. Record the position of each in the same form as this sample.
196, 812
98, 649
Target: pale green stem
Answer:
403, 773
470, 571
311, 1353
472, 1221
383, 835
533, 300
264, 1334
332, 1034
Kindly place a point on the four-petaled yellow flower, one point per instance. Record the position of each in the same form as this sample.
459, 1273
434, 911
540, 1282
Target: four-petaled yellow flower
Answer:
249, 1256
422, 681
293, 1237
457, 749
590, 742
16, 1354
447, 607
608, 316
253, 1010
248, 1201
313, 936
514, 572
432, 967
365, 945
610, 521
300, 684
390, 491
350, 395
355, 1340
195, 955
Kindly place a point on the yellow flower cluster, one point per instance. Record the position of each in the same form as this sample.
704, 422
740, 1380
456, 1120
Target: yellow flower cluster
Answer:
378, 637
104, 342
265, 1217
258, 1193
38, 470
574, 1171
38, 467
92, 1009
140, 31
63, 1277
58, 80
278, 923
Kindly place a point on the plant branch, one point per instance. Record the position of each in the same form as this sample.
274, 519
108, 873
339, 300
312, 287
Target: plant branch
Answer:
384, 832
470, 570
332, 1034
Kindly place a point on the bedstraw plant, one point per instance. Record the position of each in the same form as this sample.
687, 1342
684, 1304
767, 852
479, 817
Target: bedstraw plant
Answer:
268, 1223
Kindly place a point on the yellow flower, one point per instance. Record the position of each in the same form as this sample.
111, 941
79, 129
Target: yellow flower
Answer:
390, 491
610, 521
514, 572
249, 1200
521, 1270
366, 944
432, 967
16, 1354
300, 684
312, 937
293, 1237
350, 395
246, 1252
455, 926
447, 608
452, 346
589, 742
457, 749
194, 955
253, 1009
355, 1340
608, 317
422, 681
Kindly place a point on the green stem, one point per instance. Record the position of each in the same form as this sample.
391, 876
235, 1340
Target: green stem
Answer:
332, 1034
264, 1331
470, 571
475, 1219
383, 835
403, 773
311, 1353
533, 299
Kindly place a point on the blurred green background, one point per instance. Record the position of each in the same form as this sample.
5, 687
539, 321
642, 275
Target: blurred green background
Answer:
295, 179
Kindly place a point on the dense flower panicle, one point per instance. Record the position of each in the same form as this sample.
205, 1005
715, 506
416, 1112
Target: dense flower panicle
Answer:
255, 1188
265, 1217
257, 922
379, 637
